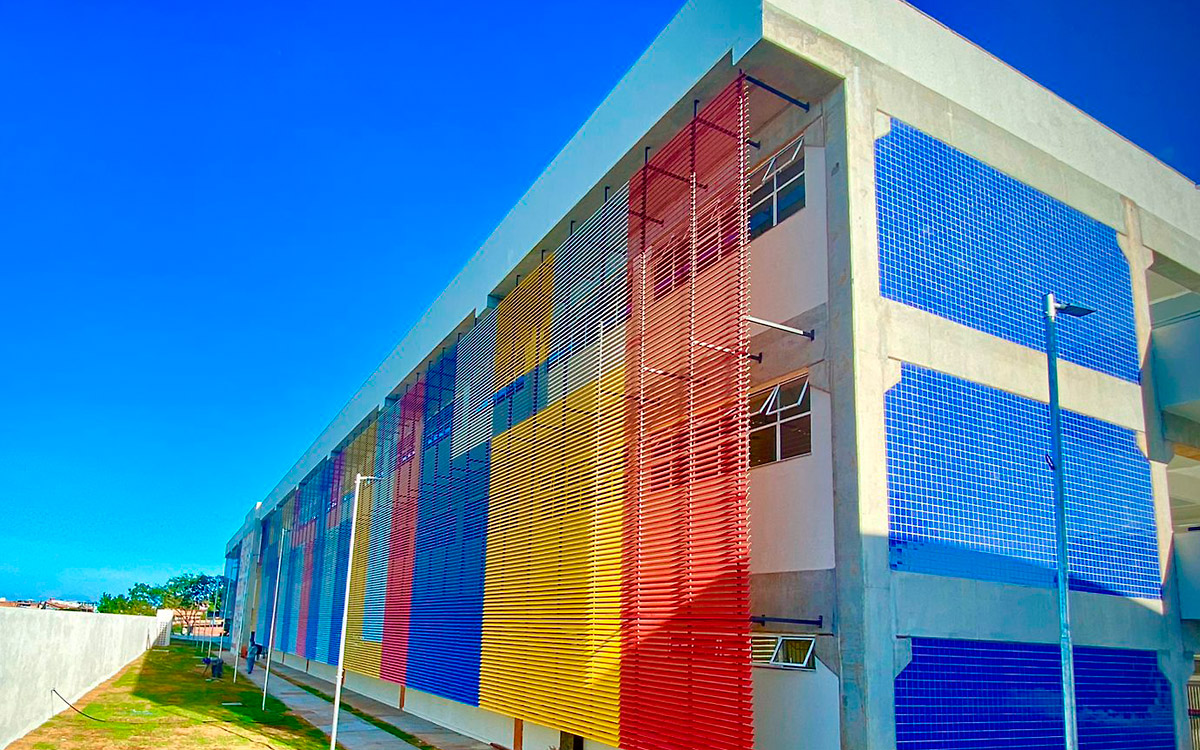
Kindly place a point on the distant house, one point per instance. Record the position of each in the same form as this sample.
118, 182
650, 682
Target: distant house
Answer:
65, 605
198, 622
62, 605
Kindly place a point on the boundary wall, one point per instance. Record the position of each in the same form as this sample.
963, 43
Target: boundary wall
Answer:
71, 652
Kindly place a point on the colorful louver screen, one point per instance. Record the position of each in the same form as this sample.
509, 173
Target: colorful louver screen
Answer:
557, 531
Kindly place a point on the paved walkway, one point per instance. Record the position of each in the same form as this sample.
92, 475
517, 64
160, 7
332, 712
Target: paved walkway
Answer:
353, 732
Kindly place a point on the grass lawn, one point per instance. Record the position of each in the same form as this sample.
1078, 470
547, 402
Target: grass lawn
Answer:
163, 699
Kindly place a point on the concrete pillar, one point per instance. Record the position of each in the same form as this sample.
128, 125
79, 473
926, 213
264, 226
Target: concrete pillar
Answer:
858, 376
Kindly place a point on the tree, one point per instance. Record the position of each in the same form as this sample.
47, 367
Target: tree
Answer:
123, 604
189, 595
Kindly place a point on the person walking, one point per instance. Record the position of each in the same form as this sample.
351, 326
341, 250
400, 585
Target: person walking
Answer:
251, 655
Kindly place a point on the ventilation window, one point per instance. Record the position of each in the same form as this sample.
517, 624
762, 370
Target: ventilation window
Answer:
782, 651
777, 188
781, 422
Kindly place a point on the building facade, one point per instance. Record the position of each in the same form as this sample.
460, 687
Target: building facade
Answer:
734, 433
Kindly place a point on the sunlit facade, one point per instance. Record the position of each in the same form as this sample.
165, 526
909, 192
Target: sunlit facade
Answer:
748, 448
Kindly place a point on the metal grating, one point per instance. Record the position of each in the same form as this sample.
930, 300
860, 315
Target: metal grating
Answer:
269, 555
361, 652
503, 558
685, 672
551, 639
399, 466
447, 593
474, 387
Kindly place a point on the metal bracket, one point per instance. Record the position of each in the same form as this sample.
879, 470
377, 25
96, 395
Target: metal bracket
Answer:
810, 334
768, 87
763, 620
644, 217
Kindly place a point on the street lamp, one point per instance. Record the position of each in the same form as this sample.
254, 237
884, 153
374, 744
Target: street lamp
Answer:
341, 670
1067, 658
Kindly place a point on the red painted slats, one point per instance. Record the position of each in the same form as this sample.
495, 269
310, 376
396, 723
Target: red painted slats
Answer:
685, 673
406, 480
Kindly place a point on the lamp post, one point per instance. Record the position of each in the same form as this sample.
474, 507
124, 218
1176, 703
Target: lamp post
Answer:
1067, 657
341, 668
274, 611
239, 631
226, 622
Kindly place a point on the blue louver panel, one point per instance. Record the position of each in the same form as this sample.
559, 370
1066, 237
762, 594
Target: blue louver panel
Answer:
447, 598
269, 541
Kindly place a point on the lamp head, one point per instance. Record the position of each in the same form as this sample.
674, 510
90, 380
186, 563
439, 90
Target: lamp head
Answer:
1075, 311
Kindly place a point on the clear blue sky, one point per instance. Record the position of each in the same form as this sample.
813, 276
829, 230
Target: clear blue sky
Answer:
217, 218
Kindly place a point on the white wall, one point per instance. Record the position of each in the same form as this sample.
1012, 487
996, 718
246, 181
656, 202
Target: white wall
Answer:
373, 687
538, 737
1187, 572
71, 652
791, 505
479, 723
795, 710
788, 263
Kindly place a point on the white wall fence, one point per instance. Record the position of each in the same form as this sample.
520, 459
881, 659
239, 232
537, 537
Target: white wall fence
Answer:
71, 652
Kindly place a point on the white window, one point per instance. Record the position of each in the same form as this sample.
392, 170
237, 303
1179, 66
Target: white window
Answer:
782, 651
777, 188
781, 422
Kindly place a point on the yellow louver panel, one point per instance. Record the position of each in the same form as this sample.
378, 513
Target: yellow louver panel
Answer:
552, 597
523, 326
362, 656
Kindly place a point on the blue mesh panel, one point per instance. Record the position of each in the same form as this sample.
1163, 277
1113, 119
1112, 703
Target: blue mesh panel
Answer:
979, 695
1122, 700
970, 493
314, 493
990, 695
232, 562
962, 240
324, 549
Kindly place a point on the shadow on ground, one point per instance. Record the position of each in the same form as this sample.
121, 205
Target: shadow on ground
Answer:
167, 698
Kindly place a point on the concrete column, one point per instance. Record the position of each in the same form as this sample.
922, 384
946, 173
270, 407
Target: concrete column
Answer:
858, 376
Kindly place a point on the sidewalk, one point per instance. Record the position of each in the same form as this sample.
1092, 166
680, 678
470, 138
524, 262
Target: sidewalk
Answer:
355, 733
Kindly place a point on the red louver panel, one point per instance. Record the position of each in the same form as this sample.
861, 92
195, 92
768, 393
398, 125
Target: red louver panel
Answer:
685, 673
405, 469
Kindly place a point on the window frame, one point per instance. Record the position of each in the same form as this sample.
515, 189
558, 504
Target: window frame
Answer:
770, 170
774, 662
771, 407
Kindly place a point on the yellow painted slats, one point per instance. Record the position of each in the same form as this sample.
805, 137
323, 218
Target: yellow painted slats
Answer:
552, 596
362, 656
523, 325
